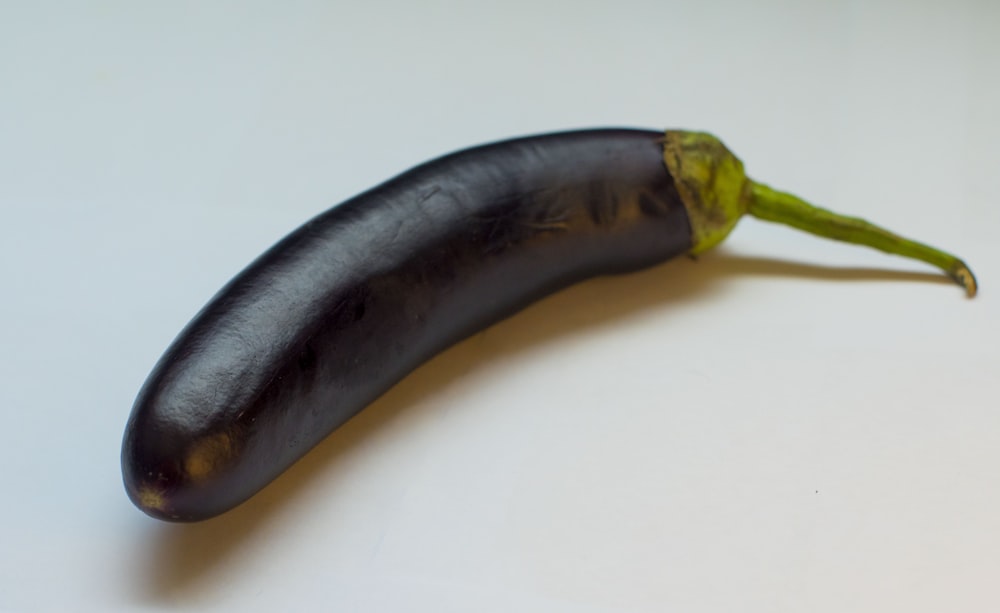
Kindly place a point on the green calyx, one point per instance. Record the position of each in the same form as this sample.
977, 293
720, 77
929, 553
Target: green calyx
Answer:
717, 193
711, 183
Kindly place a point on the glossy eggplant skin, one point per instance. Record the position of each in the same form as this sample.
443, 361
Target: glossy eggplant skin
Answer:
348, 304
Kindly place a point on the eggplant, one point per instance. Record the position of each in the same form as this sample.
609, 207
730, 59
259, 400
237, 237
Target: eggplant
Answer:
345, 306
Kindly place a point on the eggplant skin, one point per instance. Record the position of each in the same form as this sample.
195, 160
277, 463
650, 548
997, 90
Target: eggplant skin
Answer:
348, 304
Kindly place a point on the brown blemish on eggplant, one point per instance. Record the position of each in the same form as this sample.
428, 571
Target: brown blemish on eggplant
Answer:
207, 455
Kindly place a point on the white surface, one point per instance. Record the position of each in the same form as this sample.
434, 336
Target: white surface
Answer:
785, 425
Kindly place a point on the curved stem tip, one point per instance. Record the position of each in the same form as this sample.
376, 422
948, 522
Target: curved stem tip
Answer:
781, 207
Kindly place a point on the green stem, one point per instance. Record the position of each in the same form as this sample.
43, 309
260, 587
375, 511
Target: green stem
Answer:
773, 205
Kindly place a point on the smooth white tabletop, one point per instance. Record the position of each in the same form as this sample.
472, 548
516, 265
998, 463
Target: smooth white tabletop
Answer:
786, 424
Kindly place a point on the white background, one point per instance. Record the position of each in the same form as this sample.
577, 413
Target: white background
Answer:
787, 424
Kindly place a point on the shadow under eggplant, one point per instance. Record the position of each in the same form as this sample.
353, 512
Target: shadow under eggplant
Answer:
183, 559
